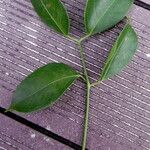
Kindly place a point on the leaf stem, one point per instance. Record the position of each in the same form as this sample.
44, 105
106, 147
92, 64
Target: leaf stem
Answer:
83, 38
76, 40
83, 63
96, 83
86, 118
86, 76
73, 38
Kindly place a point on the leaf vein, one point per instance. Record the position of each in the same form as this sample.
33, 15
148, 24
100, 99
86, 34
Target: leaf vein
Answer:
51, 16
102, 17
114, 55
73, 76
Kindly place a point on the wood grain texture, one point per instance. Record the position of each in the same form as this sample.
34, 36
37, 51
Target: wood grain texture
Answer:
120, 107
146, 1
15, 136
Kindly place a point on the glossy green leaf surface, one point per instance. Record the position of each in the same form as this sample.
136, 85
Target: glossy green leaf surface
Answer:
103, 14
121, 53
43, 87
53, 13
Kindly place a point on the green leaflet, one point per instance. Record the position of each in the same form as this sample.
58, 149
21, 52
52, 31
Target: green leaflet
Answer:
103, 14
43, 87
121, 53
53, 13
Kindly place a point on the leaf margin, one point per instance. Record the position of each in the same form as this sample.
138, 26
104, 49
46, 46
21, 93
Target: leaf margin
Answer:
85, 24
11, 108
51, 17
110, 56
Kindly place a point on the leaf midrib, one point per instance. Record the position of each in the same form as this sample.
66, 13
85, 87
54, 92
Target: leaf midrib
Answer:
73, 76
51, 16
114, 55
102, 17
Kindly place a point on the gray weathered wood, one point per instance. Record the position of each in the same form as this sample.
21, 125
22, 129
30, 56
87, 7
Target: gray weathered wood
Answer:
120, 107
15, 136
146, 1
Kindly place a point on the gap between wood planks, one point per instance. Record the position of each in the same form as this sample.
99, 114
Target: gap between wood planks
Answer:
40, 129
142, 4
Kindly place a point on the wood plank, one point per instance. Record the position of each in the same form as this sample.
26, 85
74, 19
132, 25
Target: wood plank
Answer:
146, 1
15, 136
120, 107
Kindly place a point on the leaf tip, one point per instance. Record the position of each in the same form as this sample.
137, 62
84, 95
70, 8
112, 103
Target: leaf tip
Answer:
8, 109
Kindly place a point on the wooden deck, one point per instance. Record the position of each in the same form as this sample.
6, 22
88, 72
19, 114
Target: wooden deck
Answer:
120, 107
